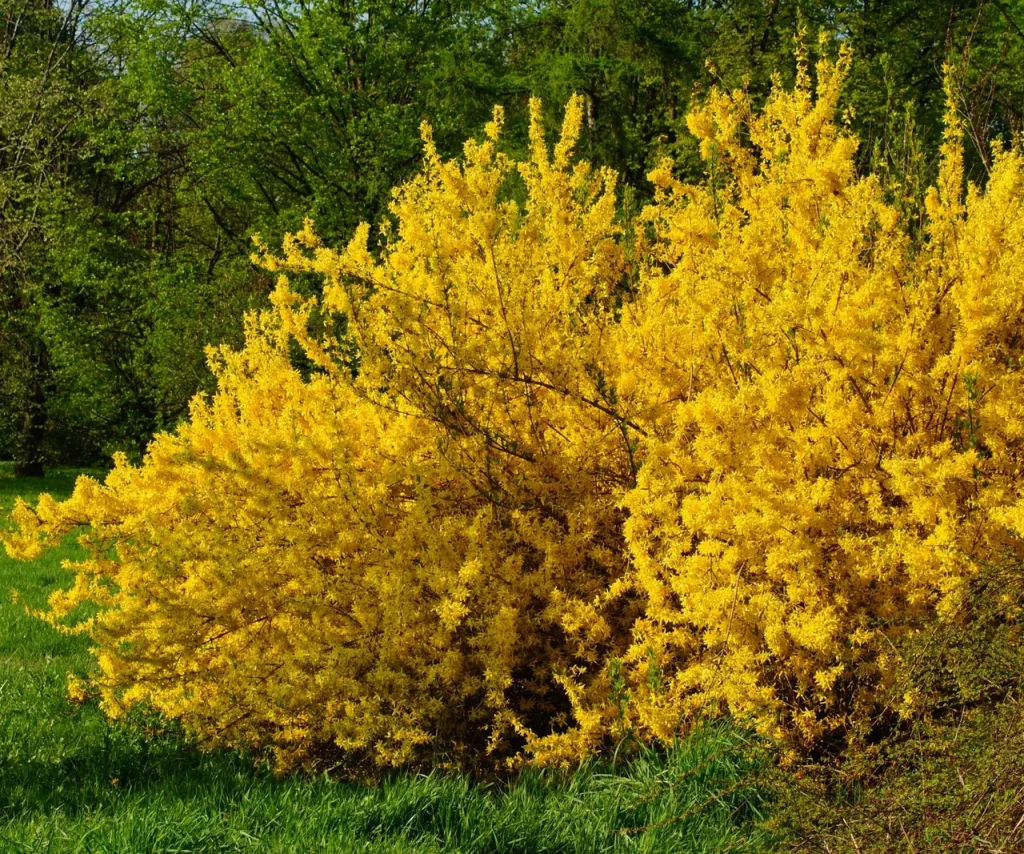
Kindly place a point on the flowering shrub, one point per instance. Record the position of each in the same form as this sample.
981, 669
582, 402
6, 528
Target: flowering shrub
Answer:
499, 493
396, 562
836, 415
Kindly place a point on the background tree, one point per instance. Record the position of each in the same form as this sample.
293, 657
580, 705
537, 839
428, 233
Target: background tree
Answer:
145, 141
42, 73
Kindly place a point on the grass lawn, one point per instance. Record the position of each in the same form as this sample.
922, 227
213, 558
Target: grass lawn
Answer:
71, 782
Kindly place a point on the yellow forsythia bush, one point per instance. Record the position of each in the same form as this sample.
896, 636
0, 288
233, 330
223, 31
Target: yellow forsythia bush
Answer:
500, 493
398, 565
836, 416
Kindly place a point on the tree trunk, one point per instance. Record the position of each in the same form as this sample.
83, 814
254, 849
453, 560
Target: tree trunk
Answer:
30, 458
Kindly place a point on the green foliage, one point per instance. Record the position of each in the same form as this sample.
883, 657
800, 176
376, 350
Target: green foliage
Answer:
143, 142
949, 777
635, 62
38, 102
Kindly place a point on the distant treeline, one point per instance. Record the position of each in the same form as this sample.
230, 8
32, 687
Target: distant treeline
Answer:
144, 142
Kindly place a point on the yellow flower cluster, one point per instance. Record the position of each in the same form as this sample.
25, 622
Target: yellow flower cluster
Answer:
377, 566
498, 492
836, 415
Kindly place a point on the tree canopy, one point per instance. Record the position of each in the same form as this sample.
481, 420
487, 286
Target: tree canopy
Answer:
144, 142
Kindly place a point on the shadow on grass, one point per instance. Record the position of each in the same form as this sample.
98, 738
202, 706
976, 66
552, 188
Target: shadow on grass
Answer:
699, 796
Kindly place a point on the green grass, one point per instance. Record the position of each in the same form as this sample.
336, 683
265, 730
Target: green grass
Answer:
72, 782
